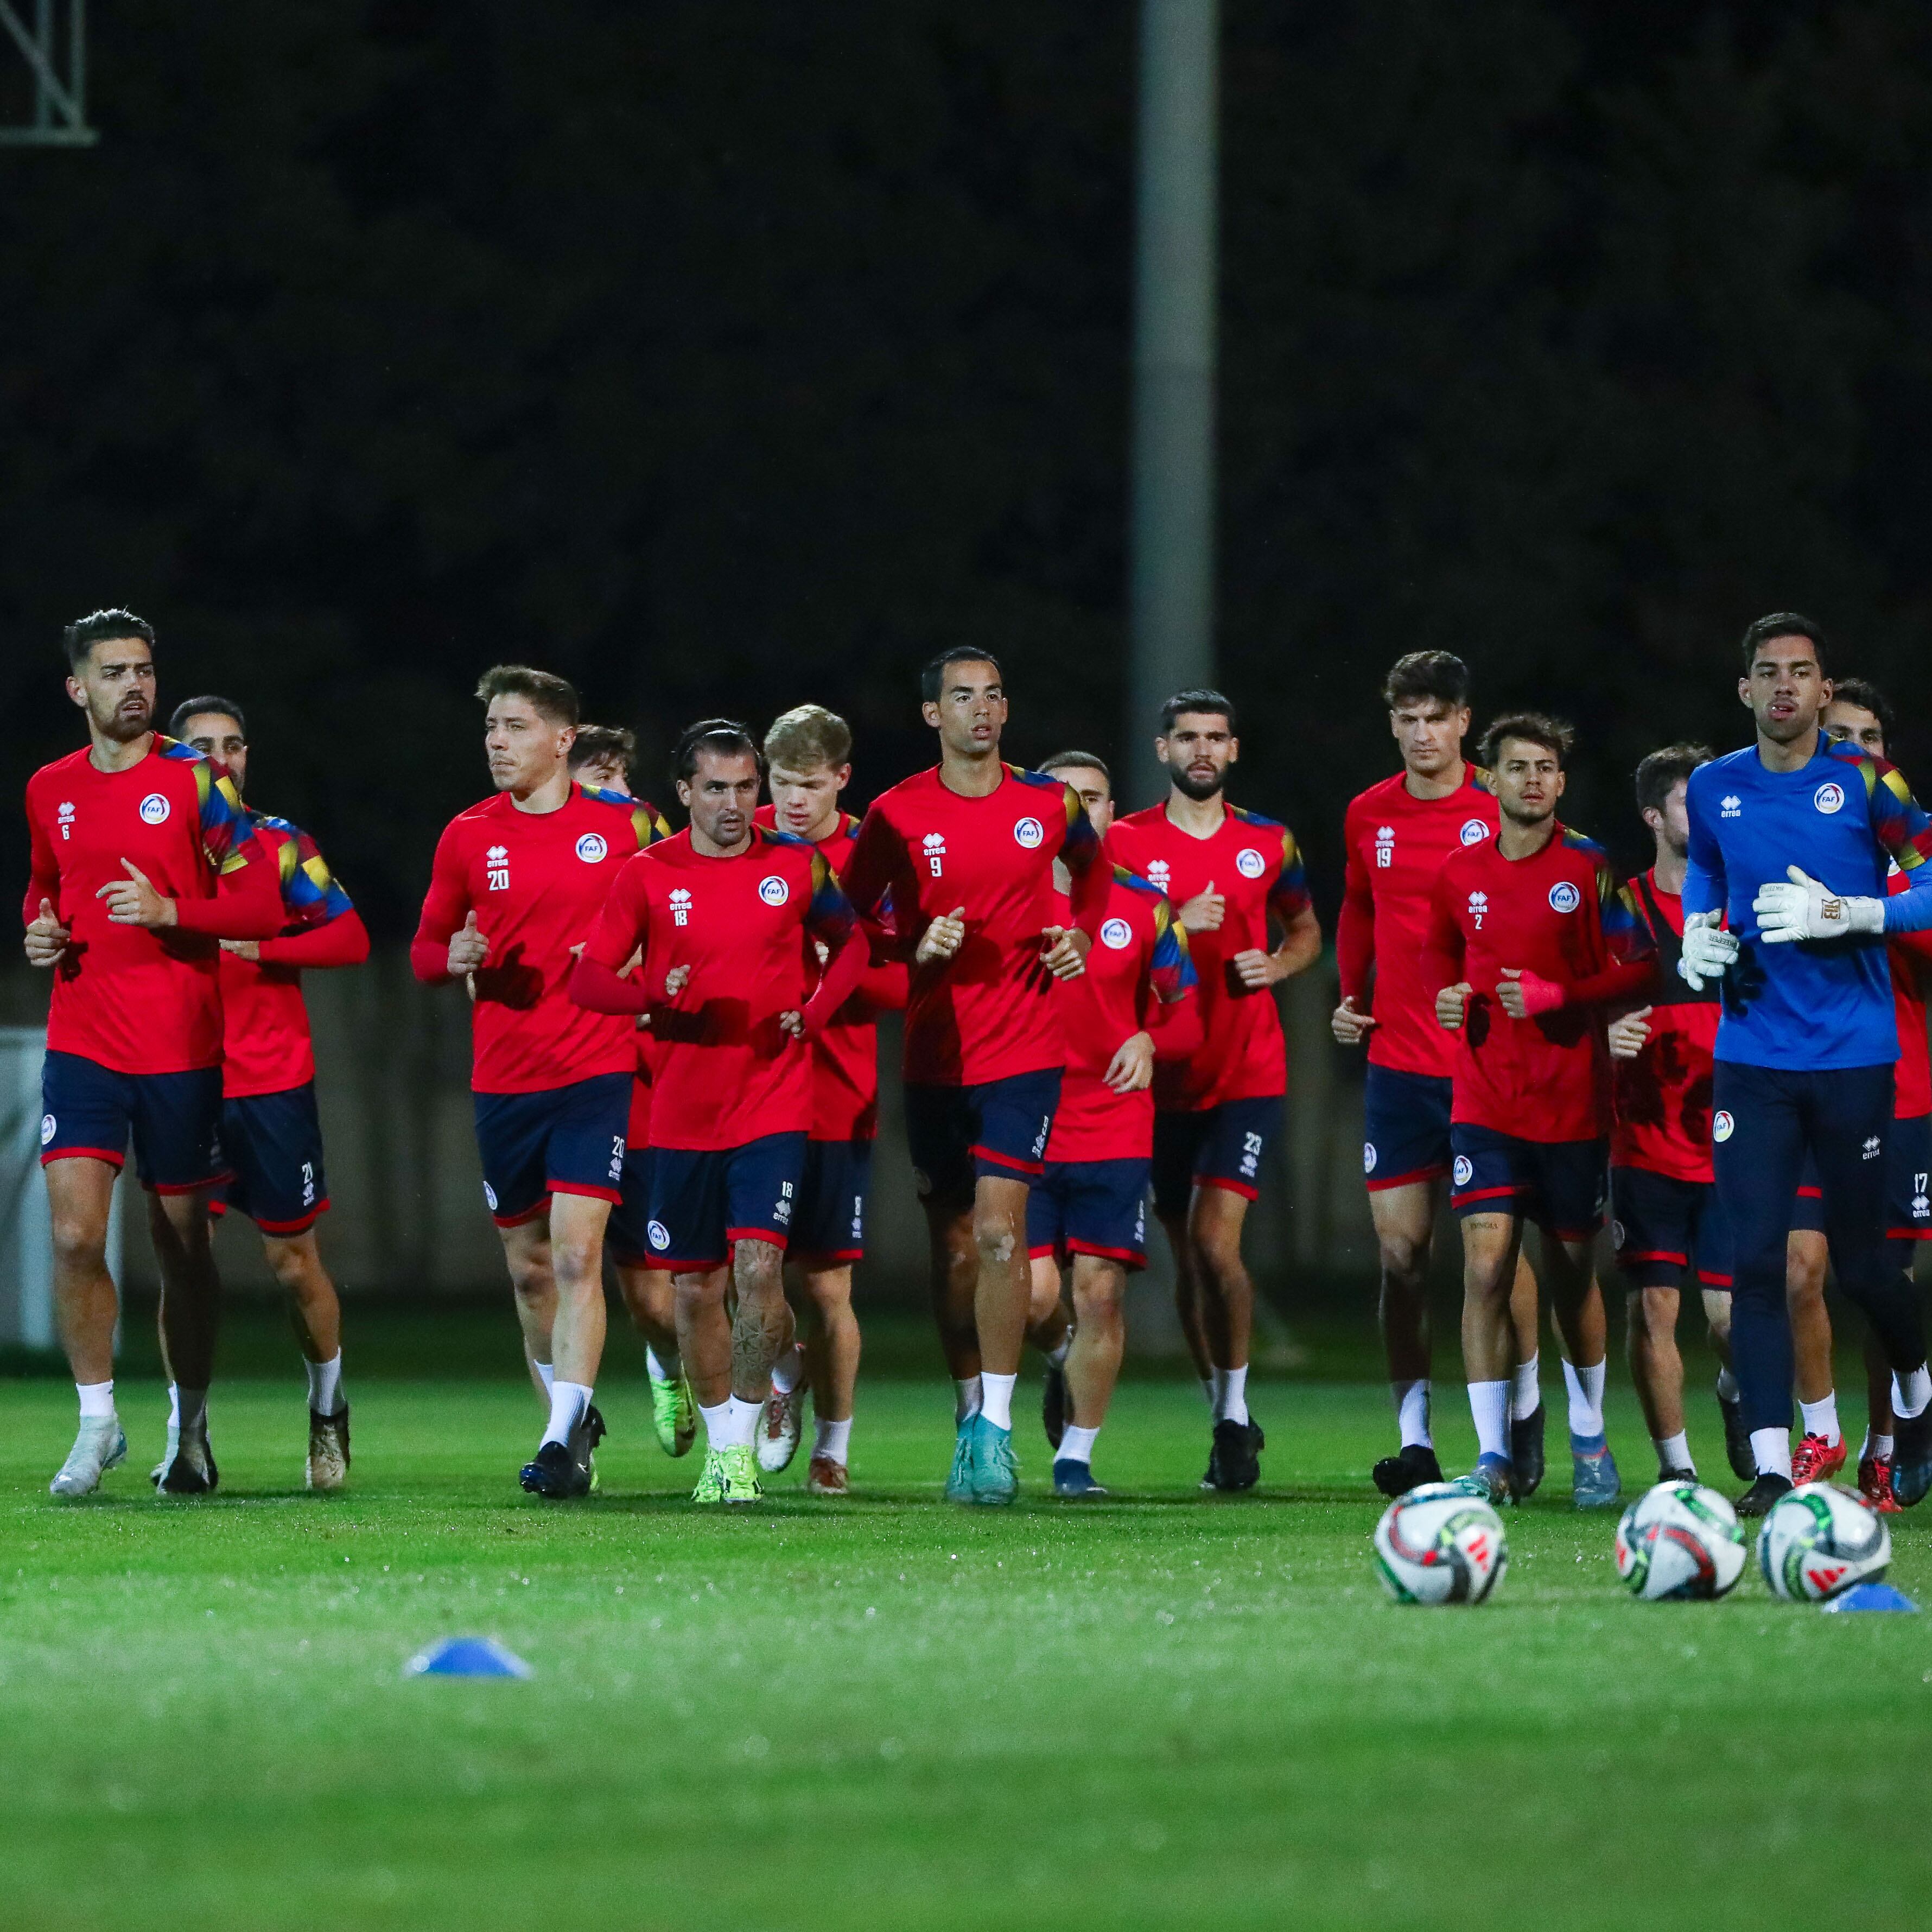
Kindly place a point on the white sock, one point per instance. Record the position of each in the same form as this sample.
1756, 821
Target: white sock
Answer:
1077, 1445
788, 1369
174, 1409
548, 1371
1770, 1450
1411, 1413
1875, 1446
194, 1410
1231, 1395
665, 1372
97, 1400
1525, 1396
567, 1402
996, 1398
966, 1399
1057, 1356
1821, 1418
1727, 1386
743, 1423
717, 1424
1207, 1391
830, 1439
1910, 1393
324, 1384
1489, 1407
1586, 1399
1673, 1452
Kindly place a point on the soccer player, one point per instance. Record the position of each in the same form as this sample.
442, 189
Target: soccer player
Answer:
1228, 873
601, 757
1397, 833
962, 856
808, 756
722, 914
1859, 715
1666, 1221
271, 1132
1527, 942
1791, 839
143, 859
516, 888
1132, 1003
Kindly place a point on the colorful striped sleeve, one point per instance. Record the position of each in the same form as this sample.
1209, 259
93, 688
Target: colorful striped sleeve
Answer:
1900, 823
1081, 847
828, 915
309, 890
227, 834
1627, 934
1287, 898
1170, 971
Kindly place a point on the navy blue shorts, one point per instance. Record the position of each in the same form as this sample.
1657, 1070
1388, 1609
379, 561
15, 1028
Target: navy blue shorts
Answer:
703, 1199
829, 1226
1090, 1207
1664, 1229
564, 1140
174, 1119
1560, 1185
1212, 1147
627, 1238
1908, 1166
274, 1143
1405, 1127
959, 1135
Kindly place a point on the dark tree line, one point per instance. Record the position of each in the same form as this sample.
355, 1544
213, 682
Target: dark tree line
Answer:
724, 356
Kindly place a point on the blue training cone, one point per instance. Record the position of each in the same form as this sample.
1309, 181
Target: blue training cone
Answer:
1872, 1597
467, 1657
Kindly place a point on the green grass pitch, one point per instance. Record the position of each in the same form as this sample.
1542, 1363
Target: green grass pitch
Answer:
1158, 1710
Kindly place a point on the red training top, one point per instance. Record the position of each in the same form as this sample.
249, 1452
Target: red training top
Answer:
1662, 1097
266, 1046
132, 998
922, 851
725, 1073
536, 881
845, 1055
1138, 978
1556, 914
1253, 863
1395, 842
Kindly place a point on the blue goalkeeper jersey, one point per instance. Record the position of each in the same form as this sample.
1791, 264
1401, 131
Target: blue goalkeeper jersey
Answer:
1845, 818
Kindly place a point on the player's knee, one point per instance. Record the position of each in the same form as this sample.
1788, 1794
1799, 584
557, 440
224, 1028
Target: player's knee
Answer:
1656, 1309
79, 1243
1403, 1259
995, 1238
294, 1267
1096, 1300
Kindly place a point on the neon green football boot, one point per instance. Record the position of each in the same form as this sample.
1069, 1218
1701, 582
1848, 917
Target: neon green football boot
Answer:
674, 1411
730, 1476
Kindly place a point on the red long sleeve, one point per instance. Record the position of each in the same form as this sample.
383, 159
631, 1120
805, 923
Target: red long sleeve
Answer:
1355, 932
341, 941
247, 904
445, 905
1092, 885
44, 875
594, 984
1629, 979
844, 971
1442, 952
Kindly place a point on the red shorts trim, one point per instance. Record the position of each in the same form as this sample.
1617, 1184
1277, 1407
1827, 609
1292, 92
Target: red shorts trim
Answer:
114, 1160
1380, 1185
1041, 1254
1706, 1280
1490, 1194
831, 1258
300, 1226
1575, 1233
1908, 1234
1227, 1186
585, 1192
187, 1186
683, 1266
1810, 1194
529, 1214
1032, 1169
1133, 1258
776, 1237
1654, 1255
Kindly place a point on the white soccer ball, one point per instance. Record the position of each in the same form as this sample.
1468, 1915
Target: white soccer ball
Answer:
1819, 1540
1680, 1541
1437, 1546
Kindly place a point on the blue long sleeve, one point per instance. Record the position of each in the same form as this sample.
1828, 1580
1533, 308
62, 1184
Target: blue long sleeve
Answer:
1911, 910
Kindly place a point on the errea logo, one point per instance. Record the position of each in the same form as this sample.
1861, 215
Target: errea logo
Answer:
497, 865
1874, 1147
66, 818
1479, 904
1157, 873
680, 906
934, 846
1730, 806
1385, 845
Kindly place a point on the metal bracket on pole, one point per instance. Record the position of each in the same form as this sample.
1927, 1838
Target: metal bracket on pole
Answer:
60, 104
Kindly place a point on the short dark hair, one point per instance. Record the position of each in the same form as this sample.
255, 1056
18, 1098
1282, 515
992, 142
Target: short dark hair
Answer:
84, 633
551, 696
195, 707
1665, 768
724, 737
1209, 702
1781, 624
1533, 728
932, 678
1440, 675
600, 744
1083, 761
1867, 696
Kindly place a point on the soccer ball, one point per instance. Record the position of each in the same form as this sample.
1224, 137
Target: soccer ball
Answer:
1437, 1546
1681, 1541
1818, 1541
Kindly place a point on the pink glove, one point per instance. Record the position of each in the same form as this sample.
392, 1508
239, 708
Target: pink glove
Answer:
1539, 995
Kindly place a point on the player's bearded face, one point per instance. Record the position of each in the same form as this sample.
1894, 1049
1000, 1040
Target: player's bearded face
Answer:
117, 686
1198, 750
1529, 782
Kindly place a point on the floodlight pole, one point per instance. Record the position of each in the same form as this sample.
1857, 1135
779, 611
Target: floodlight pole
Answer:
60, 102
1171, 538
